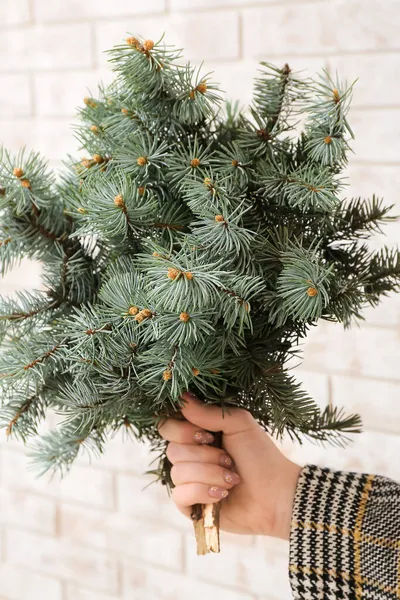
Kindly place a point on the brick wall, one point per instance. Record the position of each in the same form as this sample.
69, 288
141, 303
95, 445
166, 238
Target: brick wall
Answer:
97, 535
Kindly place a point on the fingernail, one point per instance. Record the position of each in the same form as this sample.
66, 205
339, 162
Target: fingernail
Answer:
203, 437
191, 394
217, 492
231, 477
225, 461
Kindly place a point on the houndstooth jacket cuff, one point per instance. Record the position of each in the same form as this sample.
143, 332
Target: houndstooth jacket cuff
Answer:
345, 536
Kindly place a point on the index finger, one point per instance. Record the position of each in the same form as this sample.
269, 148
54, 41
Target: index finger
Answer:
183, 432
229, 420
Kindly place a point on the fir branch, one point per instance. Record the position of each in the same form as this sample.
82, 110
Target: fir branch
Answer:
278, 401
331, 425
56, 451
384, 274
42, 358
193, 248
29, 306
19, 413
276, 94
359, 217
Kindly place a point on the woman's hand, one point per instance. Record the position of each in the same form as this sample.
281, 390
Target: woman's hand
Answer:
254, 480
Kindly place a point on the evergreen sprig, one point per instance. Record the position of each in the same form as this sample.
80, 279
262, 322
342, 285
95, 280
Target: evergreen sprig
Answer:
193, 248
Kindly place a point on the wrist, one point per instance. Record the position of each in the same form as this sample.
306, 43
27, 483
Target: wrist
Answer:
285, 500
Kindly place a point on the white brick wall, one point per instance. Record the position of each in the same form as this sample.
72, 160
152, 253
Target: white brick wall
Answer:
28, 584
97, 535
59, 11
63, 559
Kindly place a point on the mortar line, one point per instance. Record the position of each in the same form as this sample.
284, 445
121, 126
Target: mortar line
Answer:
320, 54
32, 19
261, 4
3, 544
32, 92
348, 374
240, 35
93, 45
86, 20
57, 524
114, 490
120, 577
330, 392
184, 561
375, 163
64, 589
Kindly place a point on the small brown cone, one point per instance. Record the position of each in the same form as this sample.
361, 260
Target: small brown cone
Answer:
148, 45
173, 273
119, 201
202, 87
167, 375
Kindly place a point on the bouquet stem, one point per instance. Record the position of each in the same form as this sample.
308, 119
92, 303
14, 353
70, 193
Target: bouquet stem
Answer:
205, 518
206, 527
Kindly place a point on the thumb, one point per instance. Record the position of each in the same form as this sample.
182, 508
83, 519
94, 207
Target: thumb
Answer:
229, 420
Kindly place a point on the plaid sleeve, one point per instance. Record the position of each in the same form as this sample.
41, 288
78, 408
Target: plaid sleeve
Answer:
345, 536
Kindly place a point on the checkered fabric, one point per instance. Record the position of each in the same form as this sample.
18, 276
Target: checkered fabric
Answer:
345, 536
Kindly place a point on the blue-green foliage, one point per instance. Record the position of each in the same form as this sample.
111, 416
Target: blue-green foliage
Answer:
192, 249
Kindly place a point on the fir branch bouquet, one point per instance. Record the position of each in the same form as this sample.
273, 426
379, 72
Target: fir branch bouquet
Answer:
192, 250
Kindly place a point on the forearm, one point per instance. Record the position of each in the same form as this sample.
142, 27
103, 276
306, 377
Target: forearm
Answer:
345, 535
